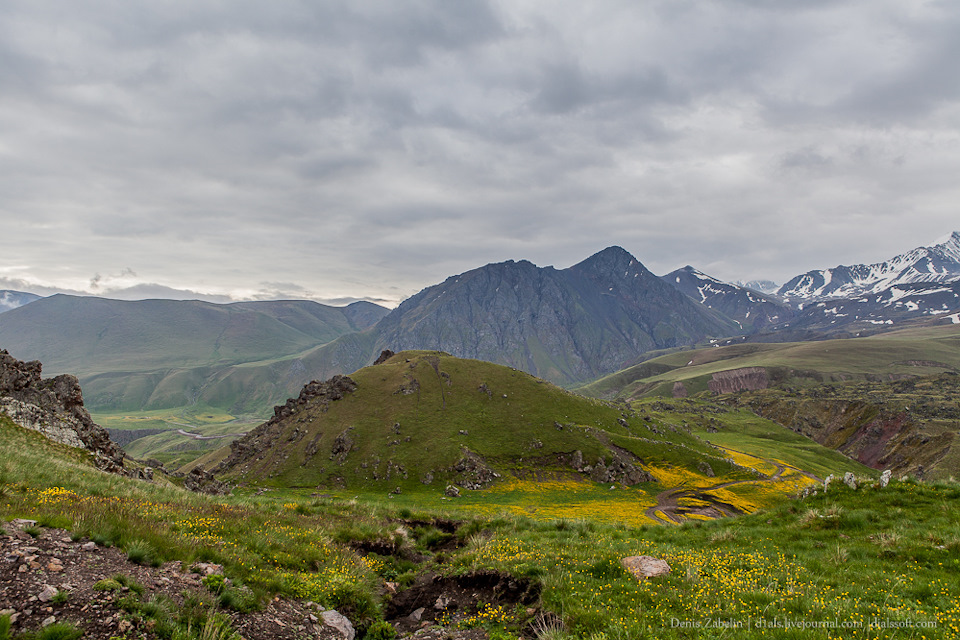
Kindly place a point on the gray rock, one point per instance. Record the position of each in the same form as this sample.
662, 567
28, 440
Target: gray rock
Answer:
339, 622
850, 480
47, 594
417, 615
643, 567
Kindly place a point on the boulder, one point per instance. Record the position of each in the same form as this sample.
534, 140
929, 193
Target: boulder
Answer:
643, 567
339, 623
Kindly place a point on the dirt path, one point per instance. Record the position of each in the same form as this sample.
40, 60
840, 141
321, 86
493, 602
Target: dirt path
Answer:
197, 436
668, 502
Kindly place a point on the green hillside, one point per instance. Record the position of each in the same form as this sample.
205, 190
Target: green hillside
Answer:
909, 352
421, 413
162, 354
423, 420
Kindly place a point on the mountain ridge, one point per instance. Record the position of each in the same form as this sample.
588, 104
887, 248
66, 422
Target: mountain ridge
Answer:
937, 263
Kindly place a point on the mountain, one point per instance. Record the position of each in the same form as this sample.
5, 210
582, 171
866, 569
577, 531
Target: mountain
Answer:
760, 286
840, 393
427, 418
937, 263
564, 325
13, 299
166, 353
751, 310
896, 306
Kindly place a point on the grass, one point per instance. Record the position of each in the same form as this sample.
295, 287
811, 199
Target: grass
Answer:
865, 560
908, 352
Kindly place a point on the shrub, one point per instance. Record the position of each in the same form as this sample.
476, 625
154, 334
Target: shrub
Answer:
381, 630
216, 583
239, 599
59, 631
139, 552
5, 627
107, 584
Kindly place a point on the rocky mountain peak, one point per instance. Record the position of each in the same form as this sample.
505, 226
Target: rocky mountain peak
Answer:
612, 259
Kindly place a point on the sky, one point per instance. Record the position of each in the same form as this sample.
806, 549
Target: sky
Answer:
344, 150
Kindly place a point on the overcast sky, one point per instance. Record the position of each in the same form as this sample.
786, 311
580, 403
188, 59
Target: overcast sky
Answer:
358, 149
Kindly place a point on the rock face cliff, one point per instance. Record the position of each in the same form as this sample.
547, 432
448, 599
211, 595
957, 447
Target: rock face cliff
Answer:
54, 407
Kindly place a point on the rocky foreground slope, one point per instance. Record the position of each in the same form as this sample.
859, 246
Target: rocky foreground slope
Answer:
55, 408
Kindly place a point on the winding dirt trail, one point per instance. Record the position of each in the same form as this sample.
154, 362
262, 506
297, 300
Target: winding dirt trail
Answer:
669, 511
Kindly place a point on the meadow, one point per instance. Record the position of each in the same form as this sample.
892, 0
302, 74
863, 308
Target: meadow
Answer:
869, 563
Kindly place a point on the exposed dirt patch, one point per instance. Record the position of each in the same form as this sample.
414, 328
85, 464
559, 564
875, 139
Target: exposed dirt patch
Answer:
456, 598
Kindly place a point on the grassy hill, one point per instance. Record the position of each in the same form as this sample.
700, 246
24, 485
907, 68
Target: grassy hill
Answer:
423, 420
910, 352
422, 413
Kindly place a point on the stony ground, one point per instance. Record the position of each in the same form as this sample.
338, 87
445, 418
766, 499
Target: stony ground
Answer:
33, 570
51, 578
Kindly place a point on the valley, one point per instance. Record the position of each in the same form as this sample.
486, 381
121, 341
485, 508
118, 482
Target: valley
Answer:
488, 461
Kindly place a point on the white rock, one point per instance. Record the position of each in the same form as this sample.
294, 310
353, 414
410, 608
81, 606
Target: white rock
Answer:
850, 480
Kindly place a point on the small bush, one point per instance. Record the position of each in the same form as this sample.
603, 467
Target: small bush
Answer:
5, 627
129, 583
216, 583
60, 597
139, 552
102, 539
107, 584
59, 631
381, 630
239, 599
36, 532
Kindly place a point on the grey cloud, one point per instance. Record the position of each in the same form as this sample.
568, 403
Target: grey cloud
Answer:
341, 150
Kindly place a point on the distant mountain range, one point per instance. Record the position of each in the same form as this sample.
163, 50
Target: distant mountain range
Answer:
568, 326
154, 354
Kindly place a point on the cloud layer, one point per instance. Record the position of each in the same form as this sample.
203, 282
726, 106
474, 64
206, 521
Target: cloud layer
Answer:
343, 150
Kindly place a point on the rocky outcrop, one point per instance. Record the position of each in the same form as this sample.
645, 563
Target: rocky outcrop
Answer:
202, 481
54, 407
472, 472
746, 379
260, 440
322, 392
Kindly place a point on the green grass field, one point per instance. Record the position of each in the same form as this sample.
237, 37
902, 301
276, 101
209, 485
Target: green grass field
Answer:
912, 352
847, 564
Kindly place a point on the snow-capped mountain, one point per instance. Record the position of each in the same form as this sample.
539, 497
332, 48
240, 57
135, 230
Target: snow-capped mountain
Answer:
939, 263
749, 308
13, 299
768, 287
